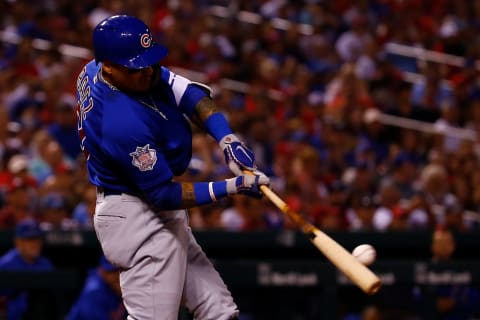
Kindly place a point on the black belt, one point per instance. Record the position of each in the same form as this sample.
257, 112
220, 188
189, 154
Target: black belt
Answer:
108, 191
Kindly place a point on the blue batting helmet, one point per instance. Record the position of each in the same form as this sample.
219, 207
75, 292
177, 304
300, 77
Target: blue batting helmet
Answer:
127, 41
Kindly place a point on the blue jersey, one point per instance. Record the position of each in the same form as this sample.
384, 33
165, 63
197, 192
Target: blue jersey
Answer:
12, 261
17, 300
97, 301
137, 143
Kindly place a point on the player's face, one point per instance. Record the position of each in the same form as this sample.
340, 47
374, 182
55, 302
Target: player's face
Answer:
443, 245
130, 80
29, 248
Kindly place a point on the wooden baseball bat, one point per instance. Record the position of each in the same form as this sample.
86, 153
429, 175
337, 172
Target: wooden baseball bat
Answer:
358, 273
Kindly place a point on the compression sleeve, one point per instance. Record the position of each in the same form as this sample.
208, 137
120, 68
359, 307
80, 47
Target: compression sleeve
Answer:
217, 126
169, 196
208, 192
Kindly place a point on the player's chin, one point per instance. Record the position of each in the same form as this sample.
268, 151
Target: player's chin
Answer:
147, 84
142, 87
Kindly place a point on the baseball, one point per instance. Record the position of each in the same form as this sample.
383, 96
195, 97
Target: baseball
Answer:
365, 254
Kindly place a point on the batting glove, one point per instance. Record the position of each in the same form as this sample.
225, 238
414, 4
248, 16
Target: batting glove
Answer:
237, 155
248, 184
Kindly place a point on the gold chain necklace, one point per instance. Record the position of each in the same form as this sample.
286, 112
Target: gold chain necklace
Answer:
153, 106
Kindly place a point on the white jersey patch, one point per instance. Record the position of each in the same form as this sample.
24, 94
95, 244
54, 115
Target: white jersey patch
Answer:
179, 85
144, 158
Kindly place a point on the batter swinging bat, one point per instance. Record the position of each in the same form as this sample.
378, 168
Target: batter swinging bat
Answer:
359, 274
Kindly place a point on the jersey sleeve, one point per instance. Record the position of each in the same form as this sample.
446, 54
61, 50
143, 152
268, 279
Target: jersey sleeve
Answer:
187, 93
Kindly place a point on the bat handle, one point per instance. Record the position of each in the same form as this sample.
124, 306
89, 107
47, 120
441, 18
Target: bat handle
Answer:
276, 200
280, 204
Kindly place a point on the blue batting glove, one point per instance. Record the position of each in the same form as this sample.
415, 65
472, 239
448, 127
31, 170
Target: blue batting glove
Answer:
237, 156
248, 184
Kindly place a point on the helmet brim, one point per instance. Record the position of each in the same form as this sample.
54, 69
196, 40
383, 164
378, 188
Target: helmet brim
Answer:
149, 57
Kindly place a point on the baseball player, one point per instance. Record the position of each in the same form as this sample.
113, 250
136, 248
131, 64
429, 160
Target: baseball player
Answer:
134, 125
25, 256
100, 297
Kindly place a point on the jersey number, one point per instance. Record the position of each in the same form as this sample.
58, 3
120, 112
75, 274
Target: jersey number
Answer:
85, 104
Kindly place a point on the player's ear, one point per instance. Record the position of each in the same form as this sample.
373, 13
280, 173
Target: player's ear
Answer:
107, 67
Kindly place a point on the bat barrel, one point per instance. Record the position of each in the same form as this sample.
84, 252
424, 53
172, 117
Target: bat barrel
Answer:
359, 274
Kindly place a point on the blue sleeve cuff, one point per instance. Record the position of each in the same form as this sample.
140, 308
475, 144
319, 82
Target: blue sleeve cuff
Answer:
217, 126
193, 94
208, 192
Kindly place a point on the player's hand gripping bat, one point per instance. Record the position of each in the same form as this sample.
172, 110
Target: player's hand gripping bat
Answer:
358, 273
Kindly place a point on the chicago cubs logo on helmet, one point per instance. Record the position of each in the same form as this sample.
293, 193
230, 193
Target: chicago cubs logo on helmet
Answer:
127, 41
144, 158
146, 40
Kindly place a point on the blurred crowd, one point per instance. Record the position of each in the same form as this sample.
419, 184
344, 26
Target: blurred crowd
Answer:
300, 94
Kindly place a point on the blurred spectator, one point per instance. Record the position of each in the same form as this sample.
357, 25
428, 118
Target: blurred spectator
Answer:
360, 213
209, 217
432, 91
330, 215
37, 27
373, 142
308, 177
442, 245
4, 134
55, 212
19, 203
61, 180
103, 10
402, 105
101, 298
371, 313
389, 215
405, 173
201, 166
320, 54
18, 167
244, 215
52, 169
360, 179
449, 121
345, 94
438, 200
83, 212
64, 128
350, 44
25, 256
39, 168
366, 65
452, 301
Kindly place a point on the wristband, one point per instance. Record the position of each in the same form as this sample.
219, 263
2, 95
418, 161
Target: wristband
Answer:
211, 192
208, 192
217, 126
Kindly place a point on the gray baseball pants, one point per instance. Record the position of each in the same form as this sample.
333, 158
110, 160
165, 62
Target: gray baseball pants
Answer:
162, 266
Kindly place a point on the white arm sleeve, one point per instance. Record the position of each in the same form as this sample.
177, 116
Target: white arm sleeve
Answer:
179, 85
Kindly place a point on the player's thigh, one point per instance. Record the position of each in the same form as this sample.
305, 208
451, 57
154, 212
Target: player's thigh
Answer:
152, 287
111, 222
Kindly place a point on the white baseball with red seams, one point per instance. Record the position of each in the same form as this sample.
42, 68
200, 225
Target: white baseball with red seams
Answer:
365, 253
